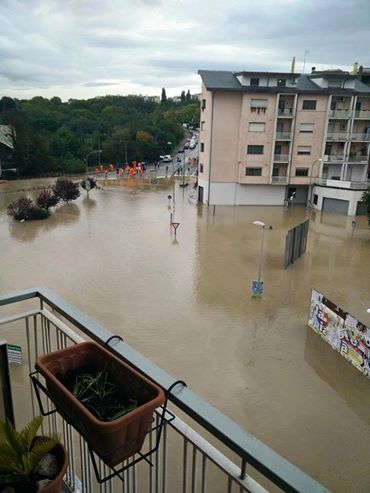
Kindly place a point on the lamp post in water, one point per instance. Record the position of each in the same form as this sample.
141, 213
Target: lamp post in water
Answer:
257, 286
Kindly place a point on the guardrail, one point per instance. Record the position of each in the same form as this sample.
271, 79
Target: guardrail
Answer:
46, 331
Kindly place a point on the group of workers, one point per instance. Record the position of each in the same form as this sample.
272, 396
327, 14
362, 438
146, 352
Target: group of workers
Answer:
132, 169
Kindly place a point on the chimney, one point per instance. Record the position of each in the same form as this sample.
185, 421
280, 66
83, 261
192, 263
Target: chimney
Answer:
292, 68
313, 70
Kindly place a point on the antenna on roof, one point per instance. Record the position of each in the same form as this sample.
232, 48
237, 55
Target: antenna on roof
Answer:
306, 52
292, 67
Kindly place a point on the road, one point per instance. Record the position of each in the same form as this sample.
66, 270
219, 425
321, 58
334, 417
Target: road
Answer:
177, 162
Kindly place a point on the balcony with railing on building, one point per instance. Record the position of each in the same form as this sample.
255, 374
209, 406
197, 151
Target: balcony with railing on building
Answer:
340, 107
285, 106
174, 457
282, 152
279, 174
358, 153
284, 130
362, 108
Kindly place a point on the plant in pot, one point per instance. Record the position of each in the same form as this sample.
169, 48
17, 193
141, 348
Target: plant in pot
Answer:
30, 463
105, 399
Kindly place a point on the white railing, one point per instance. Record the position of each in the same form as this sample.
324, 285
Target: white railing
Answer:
284, 135
185, 460
361, 137
280, 180
281, 157
334, 158
354, 185
345, 113
337, 136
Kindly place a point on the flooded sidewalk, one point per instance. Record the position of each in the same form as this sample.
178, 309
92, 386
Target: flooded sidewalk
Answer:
185, 303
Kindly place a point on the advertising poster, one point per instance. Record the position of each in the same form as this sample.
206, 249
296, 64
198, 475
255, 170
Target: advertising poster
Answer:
343, 332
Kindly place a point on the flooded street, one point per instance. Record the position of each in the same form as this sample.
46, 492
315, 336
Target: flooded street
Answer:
185, 303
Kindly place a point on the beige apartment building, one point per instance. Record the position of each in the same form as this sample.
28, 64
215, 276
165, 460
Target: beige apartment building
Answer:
267, 138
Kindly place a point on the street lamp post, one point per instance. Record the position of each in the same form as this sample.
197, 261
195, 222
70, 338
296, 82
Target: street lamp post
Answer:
87, 159
309, 198
257, 286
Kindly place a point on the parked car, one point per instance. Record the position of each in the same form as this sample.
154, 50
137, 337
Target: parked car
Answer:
193, 143
187, 144
167, 158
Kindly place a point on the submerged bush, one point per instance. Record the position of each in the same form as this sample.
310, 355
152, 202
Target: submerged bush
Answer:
46, 199
64, 189
39, 213
22, 208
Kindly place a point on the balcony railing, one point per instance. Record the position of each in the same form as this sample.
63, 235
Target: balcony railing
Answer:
279, 180
286, 112
283, 135
358, 159
334, 158
362, 114
337, 136
360, 137
351, 185
345, 113
281, 157
185, 460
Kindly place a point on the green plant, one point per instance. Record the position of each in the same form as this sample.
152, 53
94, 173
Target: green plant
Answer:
23, 208
40, 214
66, 190
47, 199
21, 452
366, 199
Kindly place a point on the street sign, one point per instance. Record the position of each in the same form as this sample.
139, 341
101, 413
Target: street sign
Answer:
14, 354
87, 185
257, 288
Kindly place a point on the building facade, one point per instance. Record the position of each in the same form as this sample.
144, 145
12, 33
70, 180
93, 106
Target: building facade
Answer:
267, 138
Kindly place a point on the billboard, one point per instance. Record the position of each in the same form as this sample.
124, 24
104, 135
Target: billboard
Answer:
341, 330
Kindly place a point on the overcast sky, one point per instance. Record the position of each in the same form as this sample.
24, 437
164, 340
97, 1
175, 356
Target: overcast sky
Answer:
85, 48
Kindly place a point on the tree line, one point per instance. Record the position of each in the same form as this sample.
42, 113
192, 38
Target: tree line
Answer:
56, 137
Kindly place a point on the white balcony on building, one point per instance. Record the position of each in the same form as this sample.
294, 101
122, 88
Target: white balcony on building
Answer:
286, 112
282, 158
337, 136
362, 114
361, 137
284, 135
279, 180
341, 114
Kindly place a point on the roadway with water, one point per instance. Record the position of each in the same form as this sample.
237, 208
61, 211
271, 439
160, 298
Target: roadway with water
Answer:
186, 304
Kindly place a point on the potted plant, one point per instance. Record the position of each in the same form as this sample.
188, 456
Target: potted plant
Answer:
106, 400
30, 463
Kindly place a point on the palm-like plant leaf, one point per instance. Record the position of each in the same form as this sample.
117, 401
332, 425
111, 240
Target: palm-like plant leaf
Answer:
41, 447
29, 431
9, 460
12, 438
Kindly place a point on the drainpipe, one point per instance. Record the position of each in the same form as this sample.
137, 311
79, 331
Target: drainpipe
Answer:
210, 153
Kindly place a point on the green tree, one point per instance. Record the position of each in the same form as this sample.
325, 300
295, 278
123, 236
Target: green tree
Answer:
163, 96
183, 97
366, 199
188, 96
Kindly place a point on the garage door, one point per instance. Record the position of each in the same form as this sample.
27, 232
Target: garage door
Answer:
335, 205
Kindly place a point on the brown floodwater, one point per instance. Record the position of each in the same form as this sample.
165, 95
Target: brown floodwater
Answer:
185, 303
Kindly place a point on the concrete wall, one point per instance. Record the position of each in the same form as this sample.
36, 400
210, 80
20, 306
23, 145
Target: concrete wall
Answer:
238, 194
335, 193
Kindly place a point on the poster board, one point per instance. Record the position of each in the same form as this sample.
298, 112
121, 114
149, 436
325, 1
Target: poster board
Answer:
341, 330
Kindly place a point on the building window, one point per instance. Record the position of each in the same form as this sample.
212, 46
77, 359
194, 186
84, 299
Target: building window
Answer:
200, 168
306, 128
253, 149
256, 127
315, 198
255, 81
258, 105
304, 150
253, 171
309, 104
301, 172
281, 82
202, 147
203, 104
202, 125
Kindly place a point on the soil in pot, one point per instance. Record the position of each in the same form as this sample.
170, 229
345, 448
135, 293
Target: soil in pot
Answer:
96, 390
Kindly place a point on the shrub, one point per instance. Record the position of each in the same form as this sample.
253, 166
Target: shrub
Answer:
64, 189
22, 208
39, 213
93, 183
46, 199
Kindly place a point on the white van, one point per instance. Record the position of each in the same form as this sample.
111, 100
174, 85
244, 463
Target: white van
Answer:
192, 144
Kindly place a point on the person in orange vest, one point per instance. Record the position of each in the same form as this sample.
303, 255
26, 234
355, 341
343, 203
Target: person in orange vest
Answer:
101, 168
132, 172
96, 170
111, 167
106, 173
120, 172
140, 171
127, 169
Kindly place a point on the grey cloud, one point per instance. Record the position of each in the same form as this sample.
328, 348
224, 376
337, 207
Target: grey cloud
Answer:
100, 84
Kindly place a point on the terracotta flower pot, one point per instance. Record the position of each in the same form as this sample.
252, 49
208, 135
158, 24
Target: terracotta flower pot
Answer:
62, 457
114, 441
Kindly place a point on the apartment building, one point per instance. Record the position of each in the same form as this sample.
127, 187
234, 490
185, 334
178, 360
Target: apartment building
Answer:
267, 138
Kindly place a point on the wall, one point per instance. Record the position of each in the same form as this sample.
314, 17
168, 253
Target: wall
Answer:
335, 193
237, 194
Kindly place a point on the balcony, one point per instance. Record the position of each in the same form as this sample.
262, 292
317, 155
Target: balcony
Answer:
334, 158
337, 136
350, 185
360, 137
279, 180
185, 460
358, 159
365, 114
284, 135
282, 158
286, 112
341, 114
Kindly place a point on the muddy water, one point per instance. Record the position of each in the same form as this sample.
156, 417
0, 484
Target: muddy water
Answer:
185, 304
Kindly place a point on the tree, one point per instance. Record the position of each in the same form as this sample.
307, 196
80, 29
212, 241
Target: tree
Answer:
188, 96
66, 190
163, 96
182, 97
47, 199
366, 199
21, 209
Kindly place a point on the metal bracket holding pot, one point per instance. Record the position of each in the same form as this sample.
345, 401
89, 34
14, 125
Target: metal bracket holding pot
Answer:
165, 418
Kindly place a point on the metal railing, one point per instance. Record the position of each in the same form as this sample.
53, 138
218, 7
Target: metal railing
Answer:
358, 159
361, 137
281, 157
286, 112
185, 461
362, 114
351, 185
345, 113
280, 180
284, 135
334, 158
337, 136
